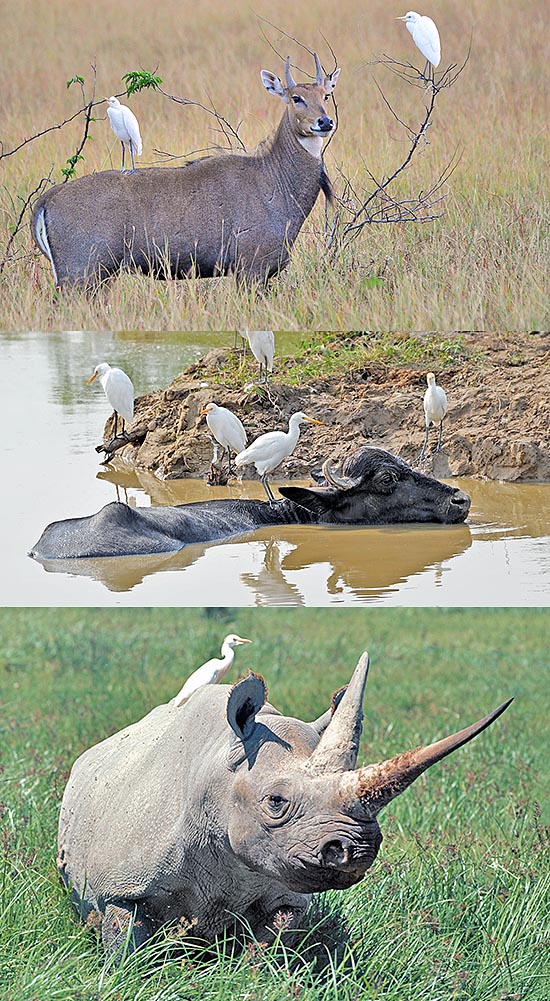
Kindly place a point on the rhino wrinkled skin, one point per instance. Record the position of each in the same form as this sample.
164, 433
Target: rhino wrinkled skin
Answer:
224, 810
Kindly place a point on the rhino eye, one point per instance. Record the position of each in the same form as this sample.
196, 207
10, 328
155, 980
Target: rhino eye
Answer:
276, 804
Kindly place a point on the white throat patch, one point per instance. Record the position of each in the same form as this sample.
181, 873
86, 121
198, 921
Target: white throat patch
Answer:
312, 145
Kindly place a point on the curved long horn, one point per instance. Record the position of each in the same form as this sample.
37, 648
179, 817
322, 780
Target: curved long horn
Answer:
319, 69
338, 747
290, 82
340, 482
375, 786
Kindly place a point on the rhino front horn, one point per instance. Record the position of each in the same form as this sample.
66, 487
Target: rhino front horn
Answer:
374, 786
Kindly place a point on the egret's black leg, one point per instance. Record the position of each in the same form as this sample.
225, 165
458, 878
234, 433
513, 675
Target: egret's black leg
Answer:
267, 488
123, 153
132, 156
422, 453
116, 424
440, 439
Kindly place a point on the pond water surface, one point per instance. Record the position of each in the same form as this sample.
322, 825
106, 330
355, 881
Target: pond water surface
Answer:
52, 421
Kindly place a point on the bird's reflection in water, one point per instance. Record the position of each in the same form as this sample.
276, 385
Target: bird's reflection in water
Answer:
269, 585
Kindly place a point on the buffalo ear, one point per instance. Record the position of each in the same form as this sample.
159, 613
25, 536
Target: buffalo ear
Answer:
310, 498
246, 698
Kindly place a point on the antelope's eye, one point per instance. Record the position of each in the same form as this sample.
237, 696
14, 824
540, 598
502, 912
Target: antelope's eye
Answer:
327, 97
297, 99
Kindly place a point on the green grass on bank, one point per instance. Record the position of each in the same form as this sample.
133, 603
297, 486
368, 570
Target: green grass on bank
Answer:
324, 355
457, 904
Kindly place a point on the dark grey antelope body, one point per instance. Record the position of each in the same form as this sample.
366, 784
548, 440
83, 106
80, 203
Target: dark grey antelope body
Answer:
223, 807
236, 213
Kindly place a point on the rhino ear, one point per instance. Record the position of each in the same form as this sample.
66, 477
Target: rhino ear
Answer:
246, 698
323, 721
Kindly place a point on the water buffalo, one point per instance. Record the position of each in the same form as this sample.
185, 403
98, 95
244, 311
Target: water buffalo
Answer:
223, 807
371, 488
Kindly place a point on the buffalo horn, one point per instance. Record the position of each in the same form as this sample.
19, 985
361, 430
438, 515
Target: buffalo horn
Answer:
374, 786
290, 82
340, 482
339, 745
319, 68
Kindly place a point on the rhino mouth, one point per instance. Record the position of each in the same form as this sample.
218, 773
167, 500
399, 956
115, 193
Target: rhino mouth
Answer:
338, 863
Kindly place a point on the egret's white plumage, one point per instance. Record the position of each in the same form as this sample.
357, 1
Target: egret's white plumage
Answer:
125, 127
425, 36
118, 389
269, 450
211, 672
262, 345
227, 429
435, 409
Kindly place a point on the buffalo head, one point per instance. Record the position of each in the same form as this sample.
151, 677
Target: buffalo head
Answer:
374, 487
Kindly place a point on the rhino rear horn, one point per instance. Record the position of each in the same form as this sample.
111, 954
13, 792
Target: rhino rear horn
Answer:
374, 786
338, 747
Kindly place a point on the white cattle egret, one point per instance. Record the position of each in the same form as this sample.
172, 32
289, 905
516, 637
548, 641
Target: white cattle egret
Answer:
211, 672
425, 36
125, 127
118, 389
262, 345
227, 429
435, 409
269, 450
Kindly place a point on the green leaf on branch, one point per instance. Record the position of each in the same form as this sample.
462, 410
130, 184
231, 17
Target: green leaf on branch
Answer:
140, 80
69, 170
75, 79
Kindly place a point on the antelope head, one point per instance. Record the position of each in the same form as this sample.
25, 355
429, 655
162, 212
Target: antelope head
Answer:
306, 104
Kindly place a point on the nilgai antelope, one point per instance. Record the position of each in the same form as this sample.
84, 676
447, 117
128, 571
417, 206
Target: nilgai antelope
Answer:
237, 213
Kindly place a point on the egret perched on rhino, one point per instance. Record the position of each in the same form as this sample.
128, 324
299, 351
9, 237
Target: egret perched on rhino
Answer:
233, 213
251, 812
372, 487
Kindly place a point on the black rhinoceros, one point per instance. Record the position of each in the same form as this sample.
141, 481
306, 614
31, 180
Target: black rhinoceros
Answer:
224, 808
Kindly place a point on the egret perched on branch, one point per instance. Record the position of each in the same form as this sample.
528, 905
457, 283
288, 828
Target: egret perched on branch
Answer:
269, 450
435, 409
118, 389
125, 127
426, 38
227, 429
211, 672
262, 345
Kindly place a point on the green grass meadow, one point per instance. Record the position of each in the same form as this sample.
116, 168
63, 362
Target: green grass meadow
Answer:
457, 904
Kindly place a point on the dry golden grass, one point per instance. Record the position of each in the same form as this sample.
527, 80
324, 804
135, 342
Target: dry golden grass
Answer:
482, 265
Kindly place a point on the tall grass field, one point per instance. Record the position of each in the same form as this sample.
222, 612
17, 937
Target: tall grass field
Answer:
480, 264
457, 904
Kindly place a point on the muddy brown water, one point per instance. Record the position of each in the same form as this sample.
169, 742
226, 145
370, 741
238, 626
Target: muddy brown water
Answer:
52, 422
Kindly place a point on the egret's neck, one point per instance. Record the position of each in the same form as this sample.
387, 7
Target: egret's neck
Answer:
228, 653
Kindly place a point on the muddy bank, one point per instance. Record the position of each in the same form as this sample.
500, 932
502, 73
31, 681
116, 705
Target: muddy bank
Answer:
497, 427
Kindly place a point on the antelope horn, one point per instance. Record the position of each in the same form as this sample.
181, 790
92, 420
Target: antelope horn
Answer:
290, 82
375, 786
340, 482
339, 745
319, 68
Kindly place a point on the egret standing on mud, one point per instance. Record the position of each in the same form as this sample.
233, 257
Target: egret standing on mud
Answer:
125, 127
269, 450
426, 38
211, 672
227, 429
262, 345
118, 389
435, 409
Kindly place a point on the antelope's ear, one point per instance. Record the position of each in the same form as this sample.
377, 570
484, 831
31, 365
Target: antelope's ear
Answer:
272, 84
332, 80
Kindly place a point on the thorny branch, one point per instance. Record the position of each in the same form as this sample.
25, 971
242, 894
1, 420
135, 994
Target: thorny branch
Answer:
19, 220
229, 132
356, 211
